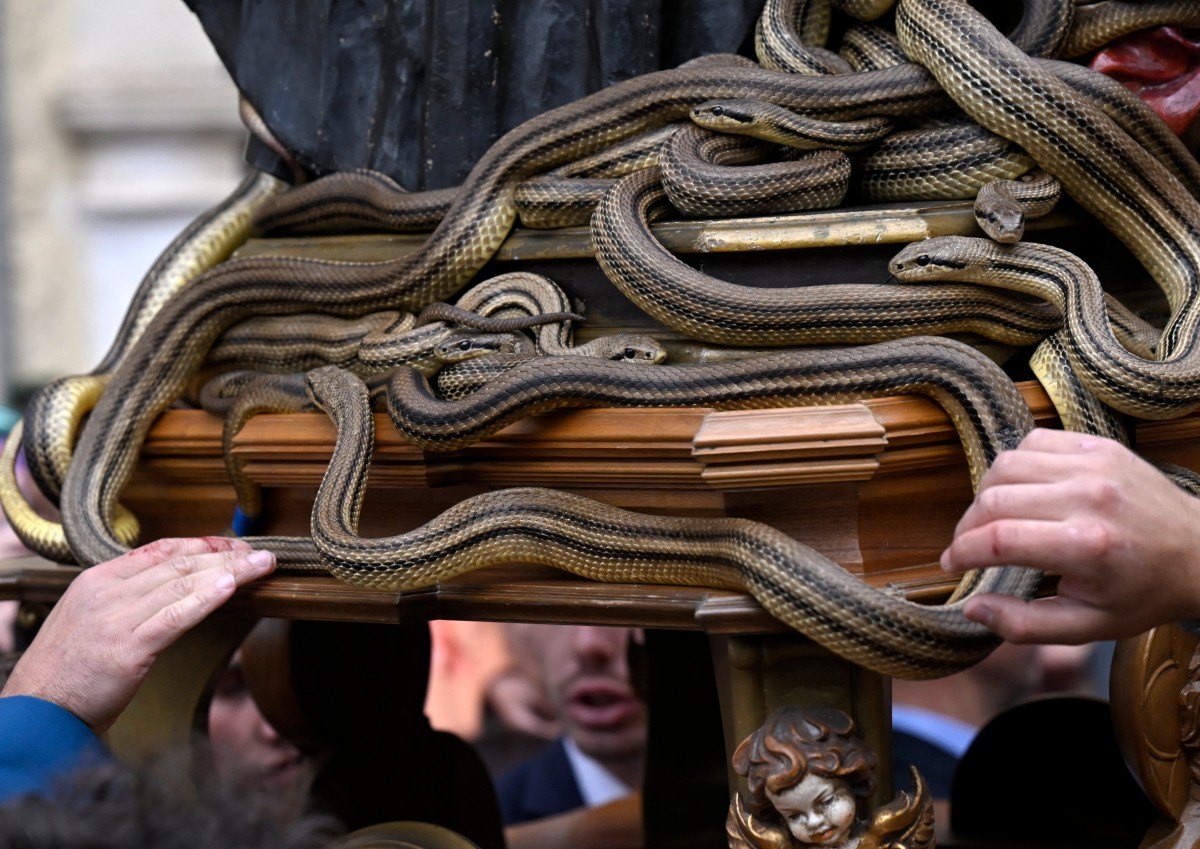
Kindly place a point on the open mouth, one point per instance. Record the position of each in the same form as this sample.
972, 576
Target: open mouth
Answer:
598, 703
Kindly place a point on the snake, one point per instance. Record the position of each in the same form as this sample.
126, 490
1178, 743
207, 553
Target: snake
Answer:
706, 308
1099, 165
364, 200
528, 525
1099, 23
1002, 206
943, 163
772, 123
789, 35
53, 415
472, 360
868, 47
376, 343
1121, 378
707, 174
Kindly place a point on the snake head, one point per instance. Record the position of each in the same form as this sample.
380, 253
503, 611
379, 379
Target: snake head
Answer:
939, 258
1004, 223
636, 349
732, 115
467, 345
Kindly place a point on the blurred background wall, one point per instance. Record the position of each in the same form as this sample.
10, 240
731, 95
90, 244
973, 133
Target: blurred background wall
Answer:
118, 126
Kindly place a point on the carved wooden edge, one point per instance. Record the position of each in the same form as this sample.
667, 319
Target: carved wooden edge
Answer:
661, 448
755, 448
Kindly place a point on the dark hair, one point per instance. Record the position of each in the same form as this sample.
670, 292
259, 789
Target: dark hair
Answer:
794, 742
116, 806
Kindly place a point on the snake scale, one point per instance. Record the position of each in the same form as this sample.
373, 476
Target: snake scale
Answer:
863, 624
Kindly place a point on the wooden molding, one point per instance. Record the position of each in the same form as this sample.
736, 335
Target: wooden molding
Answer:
754, 448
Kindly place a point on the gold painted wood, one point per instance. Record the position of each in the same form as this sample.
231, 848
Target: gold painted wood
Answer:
877, 224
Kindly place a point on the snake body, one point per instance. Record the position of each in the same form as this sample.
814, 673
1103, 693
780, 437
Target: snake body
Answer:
702, 177
1098, 164
713, 310
782, 378
1099, 23
1150, 389
53, 415
801, 588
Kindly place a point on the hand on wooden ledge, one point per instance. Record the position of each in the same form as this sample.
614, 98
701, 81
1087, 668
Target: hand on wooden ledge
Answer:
1124, 538
101, 638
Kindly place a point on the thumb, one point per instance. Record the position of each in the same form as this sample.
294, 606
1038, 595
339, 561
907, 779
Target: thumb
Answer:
1057, 619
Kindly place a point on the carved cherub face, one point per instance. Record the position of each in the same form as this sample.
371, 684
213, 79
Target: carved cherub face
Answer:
818, 811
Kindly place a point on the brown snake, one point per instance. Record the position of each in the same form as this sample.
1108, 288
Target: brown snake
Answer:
712, 310
803, 589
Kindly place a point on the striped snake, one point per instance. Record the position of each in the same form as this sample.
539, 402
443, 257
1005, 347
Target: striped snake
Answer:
53, 416
795, 584
159, 366
1121, 378
712, 310
1098, 164
378, 343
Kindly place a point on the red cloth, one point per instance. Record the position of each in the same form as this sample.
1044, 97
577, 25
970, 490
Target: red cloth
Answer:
1162, 66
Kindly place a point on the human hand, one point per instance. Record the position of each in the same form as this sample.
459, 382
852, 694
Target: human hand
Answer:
1124, 539
101, 638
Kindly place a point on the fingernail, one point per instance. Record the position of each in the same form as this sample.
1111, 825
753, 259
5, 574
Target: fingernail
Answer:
982, 613
260, 559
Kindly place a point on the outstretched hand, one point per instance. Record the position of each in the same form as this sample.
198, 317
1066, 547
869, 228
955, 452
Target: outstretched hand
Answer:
103, 635
1124, 539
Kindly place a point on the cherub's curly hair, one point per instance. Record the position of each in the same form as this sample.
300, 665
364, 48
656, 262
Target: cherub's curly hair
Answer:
794, 742
116, 806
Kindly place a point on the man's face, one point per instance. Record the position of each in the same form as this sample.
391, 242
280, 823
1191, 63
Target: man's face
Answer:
586, 672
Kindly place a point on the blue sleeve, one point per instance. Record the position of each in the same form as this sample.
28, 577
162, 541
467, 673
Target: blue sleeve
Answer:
40, 743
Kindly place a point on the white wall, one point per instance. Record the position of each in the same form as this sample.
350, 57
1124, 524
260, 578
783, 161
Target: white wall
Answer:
122, 127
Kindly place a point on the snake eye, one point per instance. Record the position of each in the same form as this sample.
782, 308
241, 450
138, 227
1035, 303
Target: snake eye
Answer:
630, 353
718, 110
923, 260
464, 345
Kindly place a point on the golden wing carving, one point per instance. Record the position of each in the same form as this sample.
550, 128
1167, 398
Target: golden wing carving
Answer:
748, 831
904, 823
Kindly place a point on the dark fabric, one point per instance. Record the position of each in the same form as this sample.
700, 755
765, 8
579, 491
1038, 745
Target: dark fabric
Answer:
1051, 767
935, 764
540, 787
420, 89
40, 744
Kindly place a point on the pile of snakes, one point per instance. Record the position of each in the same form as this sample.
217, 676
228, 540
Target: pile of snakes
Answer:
938, 104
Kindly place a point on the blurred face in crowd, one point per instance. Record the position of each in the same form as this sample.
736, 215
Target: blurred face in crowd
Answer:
248, 751
586, 673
